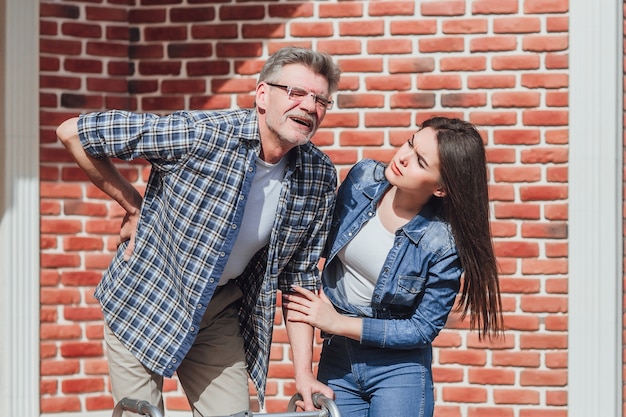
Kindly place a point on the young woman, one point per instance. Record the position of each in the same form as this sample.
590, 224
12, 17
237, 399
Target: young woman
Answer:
405, 238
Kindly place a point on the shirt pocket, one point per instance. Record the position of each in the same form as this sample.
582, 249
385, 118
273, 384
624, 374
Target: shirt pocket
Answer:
409, 290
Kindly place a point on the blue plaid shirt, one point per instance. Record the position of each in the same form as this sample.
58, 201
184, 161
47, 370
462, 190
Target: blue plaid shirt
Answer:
202, 167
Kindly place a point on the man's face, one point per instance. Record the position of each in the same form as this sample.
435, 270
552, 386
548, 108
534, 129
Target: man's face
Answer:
292, 119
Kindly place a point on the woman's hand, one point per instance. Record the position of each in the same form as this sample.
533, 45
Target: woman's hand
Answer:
312, 309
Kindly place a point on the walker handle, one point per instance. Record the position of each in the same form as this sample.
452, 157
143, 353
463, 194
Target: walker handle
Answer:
141, 407
327, 406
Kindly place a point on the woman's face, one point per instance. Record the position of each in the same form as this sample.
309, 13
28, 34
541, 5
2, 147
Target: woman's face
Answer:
415, 166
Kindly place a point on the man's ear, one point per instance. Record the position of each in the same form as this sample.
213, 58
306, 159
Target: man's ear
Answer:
260, 96
440, 192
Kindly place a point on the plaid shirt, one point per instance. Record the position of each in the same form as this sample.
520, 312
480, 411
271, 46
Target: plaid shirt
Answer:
202, 167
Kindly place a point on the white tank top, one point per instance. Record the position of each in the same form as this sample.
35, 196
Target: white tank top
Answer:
258, 217
362, 259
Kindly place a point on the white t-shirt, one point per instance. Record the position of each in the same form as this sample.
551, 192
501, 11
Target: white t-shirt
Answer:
362, 259
258, 217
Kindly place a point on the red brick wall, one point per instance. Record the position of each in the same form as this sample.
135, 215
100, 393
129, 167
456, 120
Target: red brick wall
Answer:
502, 64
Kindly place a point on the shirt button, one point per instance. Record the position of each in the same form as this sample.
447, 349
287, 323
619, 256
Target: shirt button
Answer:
349, 233
199, 306
222, 254
174, 360
192, 329
234, 226
370, 214
250, 169
211, 280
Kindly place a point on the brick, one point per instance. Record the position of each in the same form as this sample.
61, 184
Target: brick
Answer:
520, 249
267, 30
383, 155
545, 43
189, 50
540, 266
515, 62
494, 7
107, 14
464, 394
100, 402
516, 25
50, 296
342, 156
81, 208
462, 357
541, 155
517, 211
524, 285
463, 64
517, 174
548, 230
81, 30
557, 99
493, 44
556, 360
528, 359
544, 80
465, 26
543, 6
556, 285
78, 314
543, 378
556, 250
60, 405
490, 81
516, 136
438, 82
216, 31
191, 14
238, 49
388, 83
515, 99
183, 86
495, 118
489, 412
107, 49
464, 100
292, 11
443, 44
411, 65
59, 332
339, 46
387, 119
369, 138
556, 323
557, 61
362, 28
521, 322
544, 304
240, 13
82, 385
413, 27
81, 349
60, 226
443, 8
330, 10
81, 65
516, 396
59, 10
389, 46
502, 228
391, 8
412, 101
497, 376
80, 278
556, 398
443, 375
557, 24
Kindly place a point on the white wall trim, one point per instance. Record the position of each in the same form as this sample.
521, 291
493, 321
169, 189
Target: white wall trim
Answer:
595, 208
19, 205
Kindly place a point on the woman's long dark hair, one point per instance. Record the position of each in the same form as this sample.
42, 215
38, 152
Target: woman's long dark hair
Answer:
465, 207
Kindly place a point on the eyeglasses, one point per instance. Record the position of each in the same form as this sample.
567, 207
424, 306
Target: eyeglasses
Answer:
298, 94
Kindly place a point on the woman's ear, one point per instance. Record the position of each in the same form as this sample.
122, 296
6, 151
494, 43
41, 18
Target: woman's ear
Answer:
440, 192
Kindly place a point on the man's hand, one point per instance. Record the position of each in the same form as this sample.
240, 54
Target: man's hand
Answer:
128, 232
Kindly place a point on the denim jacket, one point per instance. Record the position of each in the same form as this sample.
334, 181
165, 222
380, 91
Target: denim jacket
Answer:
420, 278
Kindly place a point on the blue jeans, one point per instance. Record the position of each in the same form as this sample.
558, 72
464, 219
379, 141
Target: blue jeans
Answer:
375, 382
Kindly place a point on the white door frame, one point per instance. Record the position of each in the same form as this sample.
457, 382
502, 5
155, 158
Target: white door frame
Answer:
19, 209
596, 205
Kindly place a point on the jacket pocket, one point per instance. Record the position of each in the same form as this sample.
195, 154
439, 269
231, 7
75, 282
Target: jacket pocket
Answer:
409, 289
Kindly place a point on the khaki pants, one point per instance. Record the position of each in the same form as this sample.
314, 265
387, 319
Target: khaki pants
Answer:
213, 374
